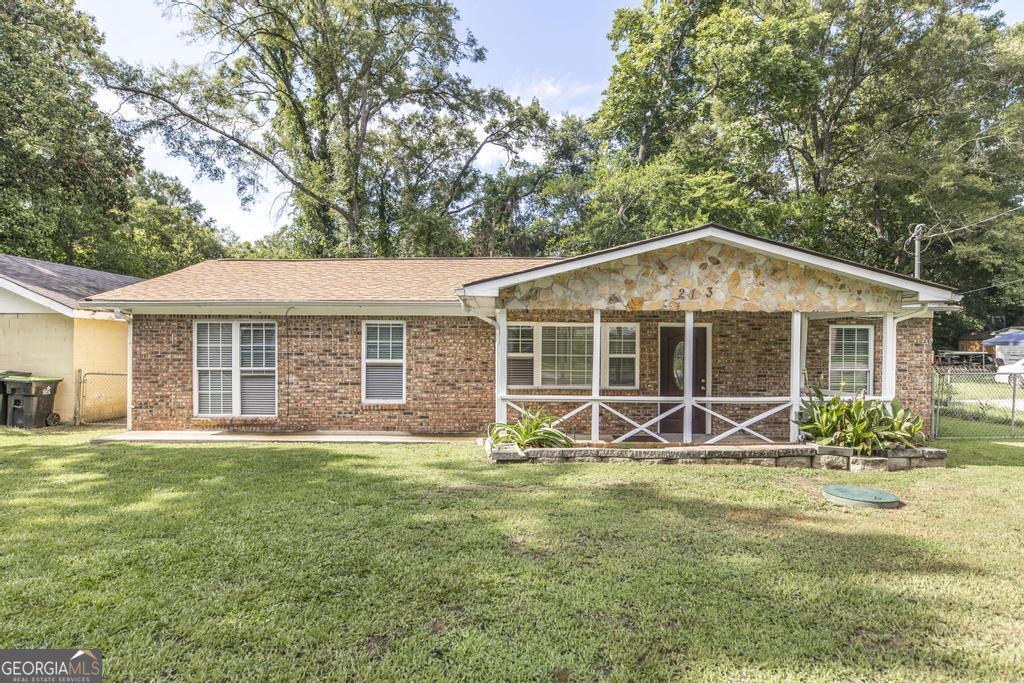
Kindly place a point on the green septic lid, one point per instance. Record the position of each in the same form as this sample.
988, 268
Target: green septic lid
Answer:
860, 497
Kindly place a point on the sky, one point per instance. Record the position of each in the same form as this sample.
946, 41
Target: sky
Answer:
554, 50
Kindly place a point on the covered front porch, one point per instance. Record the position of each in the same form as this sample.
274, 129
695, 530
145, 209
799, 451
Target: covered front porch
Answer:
704, 336
689, 377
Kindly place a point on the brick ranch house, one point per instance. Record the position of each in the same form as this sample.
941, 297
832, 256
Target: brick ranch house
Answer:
703, 335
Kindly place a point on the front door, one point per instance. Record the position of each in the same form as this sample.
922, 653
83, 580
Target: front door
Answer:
673, 346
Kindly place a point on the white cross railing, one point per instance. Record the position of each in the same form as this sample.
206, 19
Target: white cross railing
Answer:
676, 403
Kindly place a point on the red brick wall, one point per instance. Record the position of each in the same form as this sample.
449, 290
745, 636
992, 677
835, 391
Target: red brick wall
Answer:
450, 371
914, 358
449, 377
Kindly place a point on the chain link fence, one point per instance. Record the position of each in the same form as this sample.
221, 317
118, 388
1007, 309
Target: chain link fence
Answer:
972, 402
102, 398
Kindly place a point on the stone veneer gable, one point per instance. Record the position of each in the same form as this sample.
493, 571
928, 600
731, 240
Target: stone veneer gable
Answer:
701, 276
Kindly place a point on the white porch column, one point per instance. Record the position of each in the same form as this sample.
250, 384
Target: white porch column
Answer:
688, 379
500, 364
889, 356
796, 332
595, 380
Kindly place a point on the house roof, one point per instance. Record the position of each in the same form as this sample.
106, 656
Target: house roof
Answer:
355, 280
66, 286
930, 291
442, 280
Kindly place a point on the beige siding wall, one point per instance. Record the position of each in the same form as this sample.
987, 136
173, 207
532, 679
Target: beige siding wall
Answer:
41, 343
101, 346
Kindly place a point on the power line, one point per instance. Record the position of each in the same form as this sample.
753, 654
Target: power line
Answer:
976, 224
998, 284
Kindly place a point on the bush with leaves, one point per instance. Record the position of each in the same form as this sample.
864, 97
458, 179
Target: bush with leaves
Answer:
860, 424
535, 429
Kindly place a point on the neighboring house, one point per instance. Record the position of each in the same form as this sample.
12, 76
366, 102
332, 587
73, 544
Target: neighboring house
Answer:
704, 334
47, 328
971, 342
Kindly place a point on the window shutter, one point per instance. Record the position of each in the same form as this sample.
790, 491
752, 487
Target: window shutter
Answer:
384, 382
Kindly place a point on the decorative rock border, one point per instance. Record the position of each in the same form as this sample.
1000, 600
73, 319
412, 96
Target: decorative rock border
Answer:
769, 455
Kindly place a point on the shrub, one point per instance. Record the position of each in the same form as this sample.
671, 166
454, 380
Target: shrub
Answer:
860, 424
535, 429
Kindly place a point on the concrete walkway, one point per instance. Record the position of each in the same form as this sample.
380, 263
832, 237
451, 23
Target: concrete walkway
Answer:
216, 436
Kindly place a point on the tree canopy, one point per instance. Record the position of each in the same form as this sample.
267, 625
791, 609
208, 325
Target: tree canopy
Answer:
835, 125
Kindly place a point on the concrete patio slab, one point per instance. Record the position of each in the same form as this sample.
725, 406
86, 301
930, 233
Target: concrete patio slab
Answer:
221, 435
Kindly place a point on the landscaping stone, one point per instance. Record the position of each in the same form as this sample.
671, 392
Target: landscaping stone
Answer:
898, 464
645, 453
868, 464
825, 461
794, 461
768, 455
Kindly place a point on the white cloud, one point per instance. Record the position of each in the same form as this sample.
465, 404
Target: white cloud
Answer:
559, 94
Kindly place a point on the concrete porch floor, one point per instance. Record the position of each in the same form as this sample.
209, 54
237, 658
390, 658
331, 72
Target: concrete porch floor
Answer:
223, 435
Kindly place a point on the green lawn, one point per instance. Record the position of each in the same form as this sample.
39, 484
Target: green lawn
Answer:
280, 562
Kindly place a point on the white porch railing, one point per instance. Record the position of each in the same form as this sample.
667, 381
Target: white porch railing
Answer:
677, 403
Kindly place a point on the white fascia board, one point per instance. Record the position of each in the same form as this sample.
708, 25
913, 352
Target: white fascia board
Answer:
36, 298
454, 308
924, 291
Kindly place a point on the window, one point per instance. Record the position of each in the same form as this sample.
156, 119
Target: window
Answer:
620, 370
383, 362
520, 355
850, 358
562, 355
567, 353
258, 373
235, 368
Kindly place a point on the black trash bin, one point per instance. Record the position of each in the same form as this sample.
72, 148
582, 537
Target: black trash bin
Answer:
3, 391
30, 401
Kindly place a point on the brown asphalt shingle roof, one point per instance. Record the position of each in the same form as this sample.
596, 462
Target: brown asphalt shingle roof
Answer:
413, 280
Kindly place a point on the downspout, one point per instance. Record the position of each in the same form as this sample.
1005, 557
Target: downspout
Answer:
498, 351
129, 403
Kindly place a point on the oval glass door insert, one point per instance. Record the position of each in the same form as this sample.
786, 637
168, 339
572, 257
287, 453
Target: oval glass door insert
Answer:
679, 364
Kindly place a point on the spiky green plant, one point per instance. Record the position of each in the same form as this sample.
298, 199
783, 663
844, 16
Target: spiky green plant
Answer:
860, 424
535, 429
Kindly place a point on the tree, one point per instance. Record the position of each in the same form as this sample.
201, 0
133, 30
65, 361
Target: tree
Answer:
64, 165
165, 230
328, 94
831, 124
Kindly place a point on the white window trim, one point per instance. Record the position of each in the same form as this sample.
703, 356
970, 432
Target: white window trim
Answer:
235, 369
537, 355
402, 362
871, 355
606, 355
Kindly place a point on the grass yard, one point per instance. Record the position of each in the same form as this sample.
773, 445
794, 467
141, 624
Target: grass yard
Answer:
280, 562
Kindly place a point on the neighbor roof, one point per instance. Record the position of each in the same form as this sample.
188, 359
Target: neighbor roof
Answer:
66, 285
409, 280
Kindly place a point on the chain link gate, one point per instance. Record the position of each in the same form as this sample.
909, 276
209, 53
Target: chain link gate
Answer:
976, 403
102, 398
